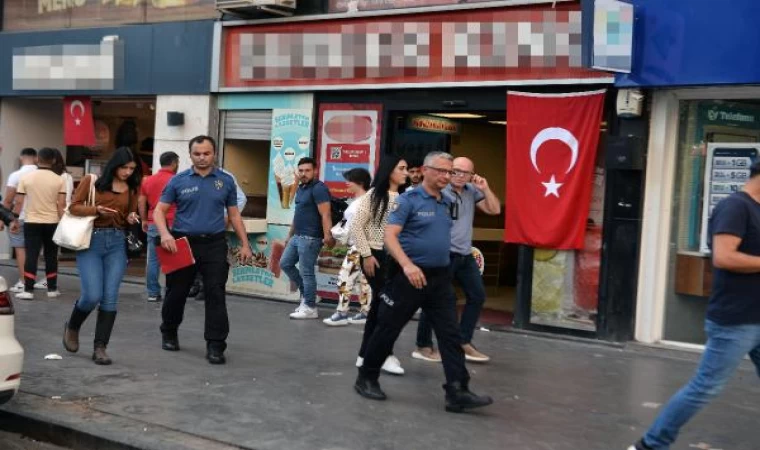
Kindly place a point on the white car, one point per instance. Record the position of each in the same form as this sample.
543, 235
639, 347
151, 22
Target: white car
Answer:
11, 353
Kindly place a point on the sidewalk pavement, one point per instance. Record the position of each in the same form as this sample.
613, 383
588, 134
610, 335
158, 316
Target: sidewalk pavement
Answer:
288, 385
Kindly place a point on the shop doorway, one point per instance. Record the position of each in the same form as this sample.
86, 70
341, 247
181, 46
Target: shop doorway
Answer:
480, 136
119, 122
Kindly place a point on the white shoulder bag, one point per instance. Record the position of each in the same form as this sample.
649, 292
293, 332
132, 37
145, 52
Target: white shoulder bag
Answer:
75, 232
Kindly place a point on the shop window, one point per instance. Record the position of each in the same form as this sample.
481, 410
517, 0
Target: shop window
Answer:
708, 129
248, 160
565, 285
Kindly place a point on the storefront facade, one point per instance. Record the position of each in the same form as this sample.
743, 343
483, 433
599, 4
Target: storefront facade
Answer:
705, 130
359, 86
130, 78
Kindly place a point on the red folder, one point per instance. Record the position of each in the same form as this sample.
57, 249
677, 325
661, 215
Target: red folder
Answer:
171, 262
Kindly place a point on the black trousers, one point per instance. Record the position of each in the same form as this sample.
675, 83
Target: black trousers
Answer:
377, 283
39, 236
210, 254
397, 305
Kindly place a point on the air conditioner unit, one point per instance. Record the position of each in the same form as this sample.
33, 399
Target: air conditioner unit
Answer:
256, 7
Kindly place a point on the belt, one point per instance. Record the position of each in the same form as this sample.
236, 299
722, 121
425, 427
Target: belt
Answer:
211, 237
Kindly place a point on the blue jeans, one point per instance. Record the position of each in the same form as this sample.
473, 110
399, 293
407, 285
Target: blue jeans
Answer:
725, 349
465, 270
101, 269
152, 272
302, 250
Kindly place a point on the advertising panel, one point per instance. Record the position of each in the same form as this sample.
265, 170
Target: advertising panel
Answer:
726, 172
263, 275
349, 136
291, 141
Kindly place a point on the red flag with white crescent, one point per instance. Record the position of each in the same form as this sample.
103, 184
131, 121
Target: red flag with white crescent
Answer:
551, 150
78, 126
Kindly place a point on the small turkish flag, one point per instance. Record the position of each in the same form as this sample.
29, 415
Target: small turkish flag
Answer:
551, 151
78, 126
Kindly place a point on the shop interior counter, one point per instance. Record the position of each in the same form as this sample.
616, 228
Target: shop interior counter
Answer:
252, 226
693, 273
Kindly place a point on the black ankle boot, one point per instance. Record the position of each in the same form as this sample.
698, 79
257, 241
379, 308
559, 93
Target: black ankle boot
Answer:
103, 329
71, 329
459, 398
368, 387
169, 341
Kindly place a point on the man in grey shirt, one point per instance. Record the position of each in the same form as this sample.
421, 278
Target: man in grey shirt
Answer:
466, 190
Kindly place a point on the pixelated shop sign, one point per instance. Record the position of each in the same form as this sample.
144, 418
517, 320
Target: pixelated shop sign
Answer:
471, 46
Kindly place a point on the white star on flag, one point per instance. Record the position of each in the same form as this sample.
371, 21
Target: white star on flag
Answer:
77, 121
552, 187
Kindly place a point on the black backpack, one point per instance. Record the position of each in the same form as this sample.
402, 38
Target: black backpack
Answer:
338, 206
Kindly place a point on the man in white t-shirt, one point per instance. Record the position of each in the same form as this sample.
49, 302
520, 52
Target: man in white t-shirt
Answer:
28, 164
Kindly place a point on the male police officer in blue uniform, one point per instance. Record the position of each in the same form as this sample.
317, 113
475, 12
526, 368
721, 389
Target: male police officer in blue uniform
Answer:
202, 194
418, 237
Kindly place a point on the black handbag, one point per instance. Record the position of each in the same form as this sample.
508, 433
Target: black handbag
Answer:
134, 244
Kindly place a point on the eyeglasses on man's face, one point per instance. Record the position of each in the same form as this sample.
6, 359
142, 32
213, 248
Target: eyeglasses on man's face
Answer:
462, 173
441, 171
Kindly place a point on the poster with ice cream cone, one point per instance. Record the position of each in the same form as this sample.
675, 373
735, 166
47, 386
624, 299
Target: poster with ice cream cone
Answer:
262, 275
291, 141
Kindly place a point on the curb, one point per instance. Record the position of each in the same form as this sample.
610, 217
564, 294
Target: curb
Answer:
78, 425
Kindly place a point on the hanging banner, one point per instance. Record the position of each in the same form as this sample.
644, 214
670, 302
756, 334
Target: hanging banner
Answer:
291, 141
78, 125
552, 141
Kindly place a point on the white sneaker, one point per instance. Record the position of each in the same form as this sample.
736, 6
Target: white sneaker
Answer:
305, 312
42, 284
359, 361
392, 366
18, 287
25, 295
54, 294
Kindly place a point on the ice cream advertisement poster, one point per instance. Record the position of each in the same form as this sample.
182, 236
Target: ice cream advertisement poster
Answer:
349, 136
263, 274
291, 141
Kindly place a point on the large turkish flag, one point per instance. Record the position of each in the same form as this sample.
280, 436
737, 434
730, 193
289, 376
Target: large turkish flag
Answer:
78, 126
551, 151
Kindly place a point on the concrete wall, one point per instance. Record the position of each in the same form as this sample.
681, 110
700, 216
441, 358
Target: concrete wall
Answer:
26, 123
199, 119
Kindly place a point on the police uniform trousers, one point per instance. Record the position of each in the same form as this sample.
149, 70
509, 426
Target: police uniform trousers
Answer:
210, 252
396, 307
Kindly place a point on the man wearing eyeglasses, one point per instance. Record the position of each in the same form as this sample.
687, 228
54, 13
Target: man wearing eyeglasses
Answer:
465, 191
418, 237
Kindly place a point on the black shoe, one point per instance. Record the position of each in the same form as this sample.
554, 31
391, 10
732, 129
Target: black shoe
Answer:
459, 398
368, 388
215, 356
201, 296
170, 343
639, 446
